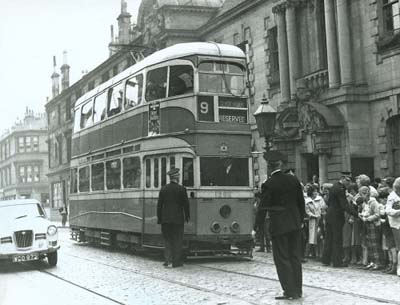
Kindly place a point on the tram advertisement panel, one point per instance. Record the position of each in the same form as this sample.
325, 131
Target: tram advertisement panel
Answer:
154, 119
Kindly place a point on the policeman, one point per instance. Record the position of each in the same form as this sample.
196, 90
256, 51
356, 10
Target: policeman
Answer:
172, 211
282, 196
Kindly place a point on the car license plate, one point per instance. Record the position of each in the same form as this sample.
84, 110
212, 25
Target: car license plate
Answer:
25, 258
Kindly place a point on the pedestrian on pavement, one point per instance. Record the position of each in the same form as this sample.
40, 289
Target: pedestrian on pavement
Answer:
172, 212
337, 205
64, 215
283, 198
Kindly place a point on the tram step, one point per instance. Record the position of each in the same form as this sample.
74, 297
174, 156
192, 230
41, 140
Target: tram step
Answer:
105, 238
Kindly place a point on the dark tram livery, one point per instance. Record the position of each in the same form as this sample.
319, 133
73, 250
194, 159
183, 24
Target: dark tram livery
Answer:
184, 106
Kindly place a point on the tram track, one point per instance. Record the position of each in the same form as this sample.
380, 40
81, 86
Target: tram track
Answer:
206, 290
142, 273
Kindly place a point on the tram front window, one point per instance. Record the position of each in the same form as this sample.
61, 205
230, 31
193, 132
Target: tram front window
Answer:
227, 171
226, 78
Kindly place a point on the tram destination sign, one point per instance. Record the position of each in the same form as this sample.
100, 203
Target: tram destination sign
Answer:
233, 116
232, 110
227, 102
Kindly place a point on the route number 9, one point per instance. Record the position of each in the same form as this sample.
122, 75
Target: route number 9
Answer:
204, 107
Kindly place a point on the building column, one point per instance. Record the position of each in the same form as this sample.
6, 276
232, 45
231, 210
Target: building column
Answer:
331, 44
344, 42
279, 12
323, 168
293, 52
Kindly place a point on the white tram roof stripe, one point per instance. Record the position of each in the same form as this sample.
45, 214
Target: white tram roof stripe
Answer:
173, 52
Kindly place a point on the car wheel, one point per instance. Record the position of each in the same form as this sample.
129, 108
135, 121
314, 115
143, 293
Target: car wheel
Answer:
52, 258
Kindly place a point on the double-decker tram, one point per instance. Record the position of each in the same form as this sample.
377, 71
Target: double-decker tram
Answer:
184, 106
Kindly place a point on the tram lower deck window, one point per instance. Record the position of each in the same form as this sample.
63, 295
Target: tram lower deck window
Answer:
228, 171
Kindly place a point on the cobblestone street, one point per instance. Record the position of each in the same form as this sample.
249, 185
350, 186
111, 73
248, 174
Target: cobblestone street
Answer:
89, 275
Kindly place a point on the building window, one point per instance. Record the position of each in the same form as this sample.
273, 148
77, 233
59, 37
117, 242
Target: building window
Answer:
28, 174
21, 144
391, 16
35, 143
68, 109
273, 56
36, 173
57, 195
28, 147
236, 39
389, 25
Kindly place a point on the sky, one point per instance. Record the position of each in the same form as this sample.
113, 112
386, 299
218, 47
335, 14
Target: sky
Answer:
32, 32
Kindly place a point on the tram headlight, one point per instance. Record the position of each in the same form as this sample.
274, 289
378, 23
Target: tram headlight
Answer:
225, 211
235, 227
215, 227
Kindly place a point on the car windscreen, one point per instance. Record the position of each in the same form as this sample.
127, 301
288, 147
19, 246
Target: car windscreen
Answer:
21, 211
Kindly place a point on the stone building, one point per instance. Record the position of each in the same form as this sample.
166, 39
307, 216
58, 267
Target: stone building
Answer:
327, 66
23, 159
60, 108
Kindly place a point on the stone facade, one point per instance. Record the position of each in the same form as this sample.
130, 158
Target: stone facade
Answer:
24, 159
328, 66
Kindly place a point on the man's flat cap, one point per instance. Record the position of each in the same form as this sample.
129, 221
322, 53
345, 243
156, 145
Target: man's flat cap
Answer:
173, 172
274, 156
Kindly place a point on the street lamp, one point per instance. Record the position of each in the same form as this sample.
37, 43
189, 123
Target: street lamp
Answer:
265, 116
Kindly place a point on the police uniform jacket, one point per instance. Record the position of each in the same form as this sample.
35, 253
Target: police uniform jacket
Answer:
282, 197
338, 204
173, 204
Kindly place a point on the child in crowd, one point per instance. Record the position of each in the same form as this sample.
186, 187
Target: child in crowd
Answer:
371, 221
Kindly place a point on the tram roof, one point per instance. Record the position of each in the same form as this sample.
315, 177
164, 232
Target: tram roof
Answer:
173, 52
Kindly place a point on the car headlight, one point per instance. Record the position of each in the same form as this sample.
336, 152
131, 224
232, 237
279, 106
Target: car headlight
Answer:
51, 230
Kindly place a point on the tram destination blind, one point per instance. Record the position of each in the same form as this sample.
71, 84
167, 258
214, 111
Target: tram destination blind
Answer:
232, 110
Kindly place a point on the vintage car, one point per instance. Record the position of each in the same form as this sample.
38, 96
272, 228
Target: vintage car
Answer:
25, 232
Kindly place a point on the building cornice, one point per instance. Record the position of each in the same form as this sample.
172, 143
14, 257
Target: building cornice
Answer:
229, 16
189, 8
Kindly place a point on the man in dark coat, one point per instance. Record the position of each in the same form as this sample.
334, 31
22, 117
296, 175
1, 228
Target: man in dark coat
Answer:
282, 196
337, 205
172, 211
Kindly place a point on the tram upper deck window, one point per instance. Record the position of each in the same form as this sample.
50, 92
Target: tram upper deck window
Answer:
156, 84
113, 174
116, 94
219, 77
228, 171
133, 91
131, 172
180, 80
100, 102
84, 179
98, 177
87, 115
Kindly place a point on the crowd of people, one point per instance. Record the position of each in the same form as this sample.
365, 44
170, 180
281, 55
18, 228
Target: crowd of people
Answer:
368, 236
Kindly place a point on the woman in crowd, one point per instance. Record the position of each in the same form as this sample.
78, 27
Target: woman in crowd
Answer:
314, 205
393, 212
388, 244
